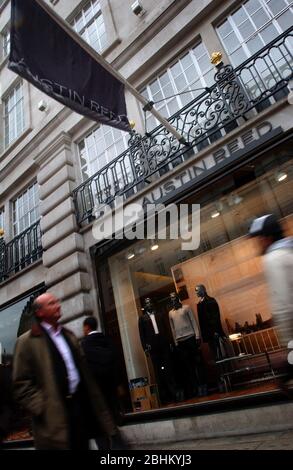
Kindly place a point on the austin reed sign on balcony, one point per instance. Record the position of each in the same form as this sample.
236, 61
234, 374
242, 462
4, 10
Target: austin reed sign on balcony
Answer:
45, 55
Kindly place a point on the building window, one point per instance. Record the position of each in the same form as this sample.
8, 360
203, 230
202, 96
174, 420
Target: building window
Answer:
26, 209
252, 26
191, 72
5, 43
89, 24
100, 147
13, 115
1, 222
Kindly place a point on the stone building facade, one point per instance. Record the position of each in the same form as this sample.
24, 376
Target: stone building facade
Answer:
51, 157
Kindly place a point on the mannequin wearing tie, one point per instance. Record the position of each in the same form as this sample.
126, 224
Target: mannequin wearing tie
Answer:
155, 344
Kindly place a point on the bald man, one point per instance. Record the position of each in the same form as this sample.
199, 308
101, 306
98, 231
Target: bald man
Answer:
52, 382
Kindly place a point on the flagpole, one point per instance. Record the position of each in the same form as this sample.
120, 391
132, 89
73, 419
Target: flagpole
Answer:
148, 106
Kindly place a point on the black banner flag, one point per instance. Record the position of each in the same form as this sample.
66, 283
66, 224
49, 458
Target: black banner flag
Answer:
46, 55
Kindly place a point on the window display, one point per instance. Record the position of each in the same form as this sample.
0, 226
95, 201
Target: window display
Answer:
156, 345
186, 336
177, 313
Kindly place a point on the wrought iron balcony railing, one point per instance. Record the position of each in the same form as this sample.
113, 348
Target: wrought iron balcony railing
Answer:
236, 95
21, 251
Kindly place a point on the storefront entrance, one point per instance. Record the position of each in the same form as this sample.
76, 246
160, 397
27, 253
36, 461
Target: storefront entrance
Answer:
244, 354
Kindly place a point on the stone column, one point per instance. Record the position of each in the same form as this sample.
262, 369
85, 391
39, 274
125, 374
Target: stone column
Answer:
64, 257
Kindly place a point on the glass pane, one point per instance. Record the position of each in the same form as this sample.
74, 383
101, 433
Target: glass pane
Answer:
173, 106
276, 5
224, 29
285, 20
246, 29
238, 57
96, 6
154, 87
252, 5
269, 33
190, 74
231, 42
176, 69
157, 96
108, 139
186, 61
180, 82
168, 90
254, 45
199, 50
204, 63
260, 18
239, 16
88, 13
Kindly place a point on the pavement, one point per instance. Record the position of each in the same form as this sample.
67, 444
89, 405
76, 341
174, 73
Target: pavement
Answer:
282, 440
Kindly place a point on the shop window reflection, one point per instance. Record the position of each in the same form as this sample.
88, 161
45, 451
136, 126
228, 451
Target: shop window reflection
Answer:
227, 262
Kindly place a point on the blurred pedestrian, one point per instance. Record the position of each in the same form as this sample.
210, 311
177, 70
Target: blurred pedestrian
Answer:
52, 381
277, 251
6, 401
101, 356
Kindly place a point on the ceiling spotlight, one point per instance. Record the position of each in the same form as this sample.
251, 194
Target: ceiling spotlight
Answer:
215, 214
154, 245
130, 255
281, 176
237, 199
141, 250
234, 199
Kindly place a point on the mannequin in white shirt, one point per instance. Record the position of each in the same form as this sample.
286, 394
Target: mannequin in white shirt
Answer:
186, 337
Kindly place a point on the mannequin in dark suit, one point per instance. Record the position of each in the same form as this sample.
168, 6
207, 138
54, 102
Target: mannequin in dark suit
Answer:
155, 344
210, 321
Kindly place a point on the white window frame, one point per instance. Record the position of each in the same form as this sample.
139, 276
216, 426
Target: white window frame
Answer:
95, 18
242, 44
199, 82
23, 208
10, 119
5, 42
110, 151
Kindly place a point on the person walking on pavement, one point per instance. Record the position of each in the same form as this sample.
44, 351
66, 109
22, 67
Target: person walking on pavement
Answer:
52, 381
6, 401
277, 254
101, 357
102, 360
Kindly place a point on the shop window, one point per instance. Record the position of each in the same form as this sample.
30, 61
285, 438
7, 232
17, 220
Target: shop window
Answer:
25, 209
15, 319
228, 265
13, 114
89, 24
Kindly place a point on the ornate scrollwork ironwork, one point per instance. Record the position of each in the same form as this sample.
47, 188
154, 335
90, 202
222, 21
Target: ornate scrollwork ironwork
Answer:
258, 81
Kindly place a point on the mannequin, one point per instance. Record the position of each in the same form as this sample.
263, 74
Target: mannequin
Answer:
155, 345
210, 322
186, 337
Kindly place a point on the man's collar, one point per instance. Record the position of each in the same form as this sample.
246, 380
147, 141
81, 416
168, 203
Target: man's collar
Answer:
93, 332
50, 328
